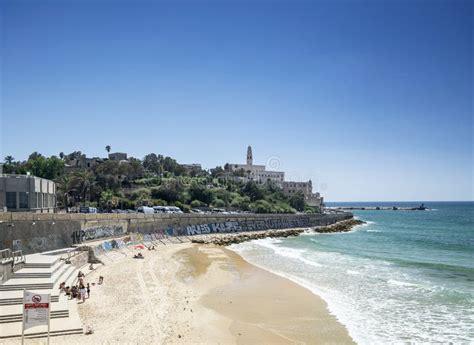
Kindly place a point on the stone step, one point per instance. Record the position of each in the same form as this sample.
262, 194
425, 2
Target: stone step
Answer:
13, 301
19, 318
59, 326
39, 272
38, 283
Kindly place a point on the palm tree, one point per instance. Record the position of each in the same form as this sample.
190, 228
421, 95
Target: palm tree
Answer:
9, 159
81, 183
107, 148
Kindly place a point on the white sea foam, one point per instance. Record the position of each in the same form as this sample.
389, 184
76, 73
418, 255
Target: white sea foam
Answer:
285, 251
376, 301
353, 272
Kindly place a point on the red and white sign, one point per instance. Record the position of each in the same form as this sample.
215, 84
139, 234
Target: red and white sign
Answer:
35, 309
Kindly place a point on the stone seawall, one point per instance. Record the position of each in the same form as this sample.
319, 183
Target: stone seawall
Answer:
34, 233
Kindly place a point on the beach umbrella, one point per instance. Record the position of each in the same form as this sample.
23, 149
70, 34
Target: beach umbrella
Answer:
140, 246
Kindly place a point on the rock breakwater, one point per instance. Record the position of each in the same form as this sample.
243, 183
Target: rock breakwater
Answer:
239, 237
226, 239
342, 226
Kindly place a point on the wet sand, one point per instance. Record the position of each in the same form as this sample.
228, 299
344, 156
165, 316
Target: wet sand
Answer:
199, 294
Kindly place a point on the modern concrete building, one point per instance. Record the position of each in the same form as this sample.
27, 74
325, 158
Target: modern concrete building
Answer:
27, 193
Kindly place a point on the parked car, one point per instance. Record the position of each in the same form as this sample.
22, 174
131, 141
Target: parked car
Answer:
145, 209
160, 209
196, 210
87, 209
174, 209
219, 210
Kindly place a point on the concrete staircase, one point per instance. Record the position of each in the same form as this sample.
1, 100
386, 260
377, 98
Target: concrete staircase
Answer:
43, 274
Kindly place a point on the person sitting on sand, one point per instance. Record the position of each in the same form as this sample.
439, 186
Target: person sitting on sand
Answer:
74, 292
91, 267
138, 256
67, 290
62, 286
101, 280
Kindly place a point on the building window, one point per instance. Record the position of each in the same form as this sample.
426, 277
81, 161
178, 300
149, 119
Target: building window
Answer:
11, 200
23, 199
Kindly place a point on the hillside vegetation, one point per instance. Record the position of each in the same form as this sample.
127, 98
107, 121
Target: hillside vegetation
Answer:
155, 180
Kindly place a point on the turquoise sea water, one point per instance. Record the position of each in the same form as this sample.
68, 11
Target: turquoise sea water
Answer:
406, 276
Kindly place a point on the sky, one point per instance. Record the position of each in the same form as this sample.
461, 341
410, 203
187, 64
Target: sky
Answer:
371, 100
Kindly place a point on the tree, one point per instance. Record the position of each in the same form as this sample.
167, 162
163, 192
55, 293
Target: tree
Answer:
217, 171
297, 201
107, 148
152, 163
261, 206
35, 155
9, 159
201, 193
48, 168
108, 200
61, 155
252, 191
170, 191
81, 183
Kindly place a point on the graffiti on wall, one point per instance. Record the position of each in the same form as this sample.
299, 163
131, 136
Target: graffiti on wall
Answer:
249, 225
94, 233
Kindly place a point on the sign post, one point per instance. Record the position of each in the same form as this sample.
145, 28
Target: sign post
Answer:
36, 311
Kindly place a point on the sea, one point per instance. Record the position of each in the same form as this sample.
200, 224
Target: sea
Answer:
404, 277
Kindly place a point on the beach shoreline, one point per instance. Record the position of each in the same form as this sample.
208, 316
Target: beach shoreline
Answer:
200, 294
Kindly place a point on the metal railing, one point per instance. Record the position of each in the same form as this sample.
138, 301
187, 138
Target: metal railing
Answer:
18, 256
6, 255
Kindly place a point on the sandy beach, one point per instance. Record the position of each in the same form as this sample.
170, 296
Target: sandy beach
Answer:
199, 294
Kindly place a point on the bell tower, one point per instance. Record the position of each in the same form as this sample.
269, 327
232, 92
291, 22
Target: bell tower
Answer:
249, 155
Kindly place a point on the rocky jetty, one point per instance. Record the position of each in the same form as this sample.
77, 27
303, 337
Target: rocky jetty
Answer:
342, 226
227, 239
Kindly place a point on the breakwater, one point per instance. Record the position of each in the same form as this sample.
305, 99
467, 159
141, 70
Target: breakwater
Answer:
32, 232
227, 239
341, 226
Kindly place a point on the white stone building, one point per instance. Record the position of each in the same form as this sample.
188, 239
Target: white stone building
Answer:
257, 173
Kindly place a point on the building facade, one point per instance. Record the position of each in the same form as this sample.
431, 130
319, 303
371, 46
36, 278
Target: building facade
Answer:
25, 193
257, 173
306, 188
118, 156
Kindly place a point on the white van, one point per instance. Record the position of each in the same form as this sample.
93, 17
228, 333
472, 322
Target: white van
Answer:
174, 209
159, 209
145, 209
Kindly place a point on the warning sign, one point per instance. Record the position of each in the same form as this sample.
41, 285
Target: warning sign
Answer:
35, 309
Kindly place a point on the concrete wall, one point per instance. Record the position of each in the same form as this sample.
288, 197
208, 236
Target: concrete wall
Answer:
33, 233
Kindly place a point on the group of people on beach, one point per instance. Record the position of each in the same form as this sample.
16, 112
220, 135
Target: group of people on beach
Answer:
79, 291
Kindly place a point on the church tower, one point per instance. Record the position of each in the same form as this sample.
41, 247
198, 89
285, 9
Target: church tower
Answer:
249, 155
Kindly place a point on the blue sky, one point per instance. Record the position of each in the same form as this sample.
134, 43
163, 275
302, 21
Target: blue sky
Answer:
370, 100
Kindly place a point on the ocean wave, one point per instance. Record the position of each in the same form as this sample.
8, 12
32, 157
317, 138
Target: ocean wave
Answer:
402, 283
373, 230
363, 292
353, 272
292, 253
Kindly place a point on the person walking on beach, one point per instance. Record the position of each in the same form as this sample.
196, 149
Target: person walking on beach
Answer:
88, 290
